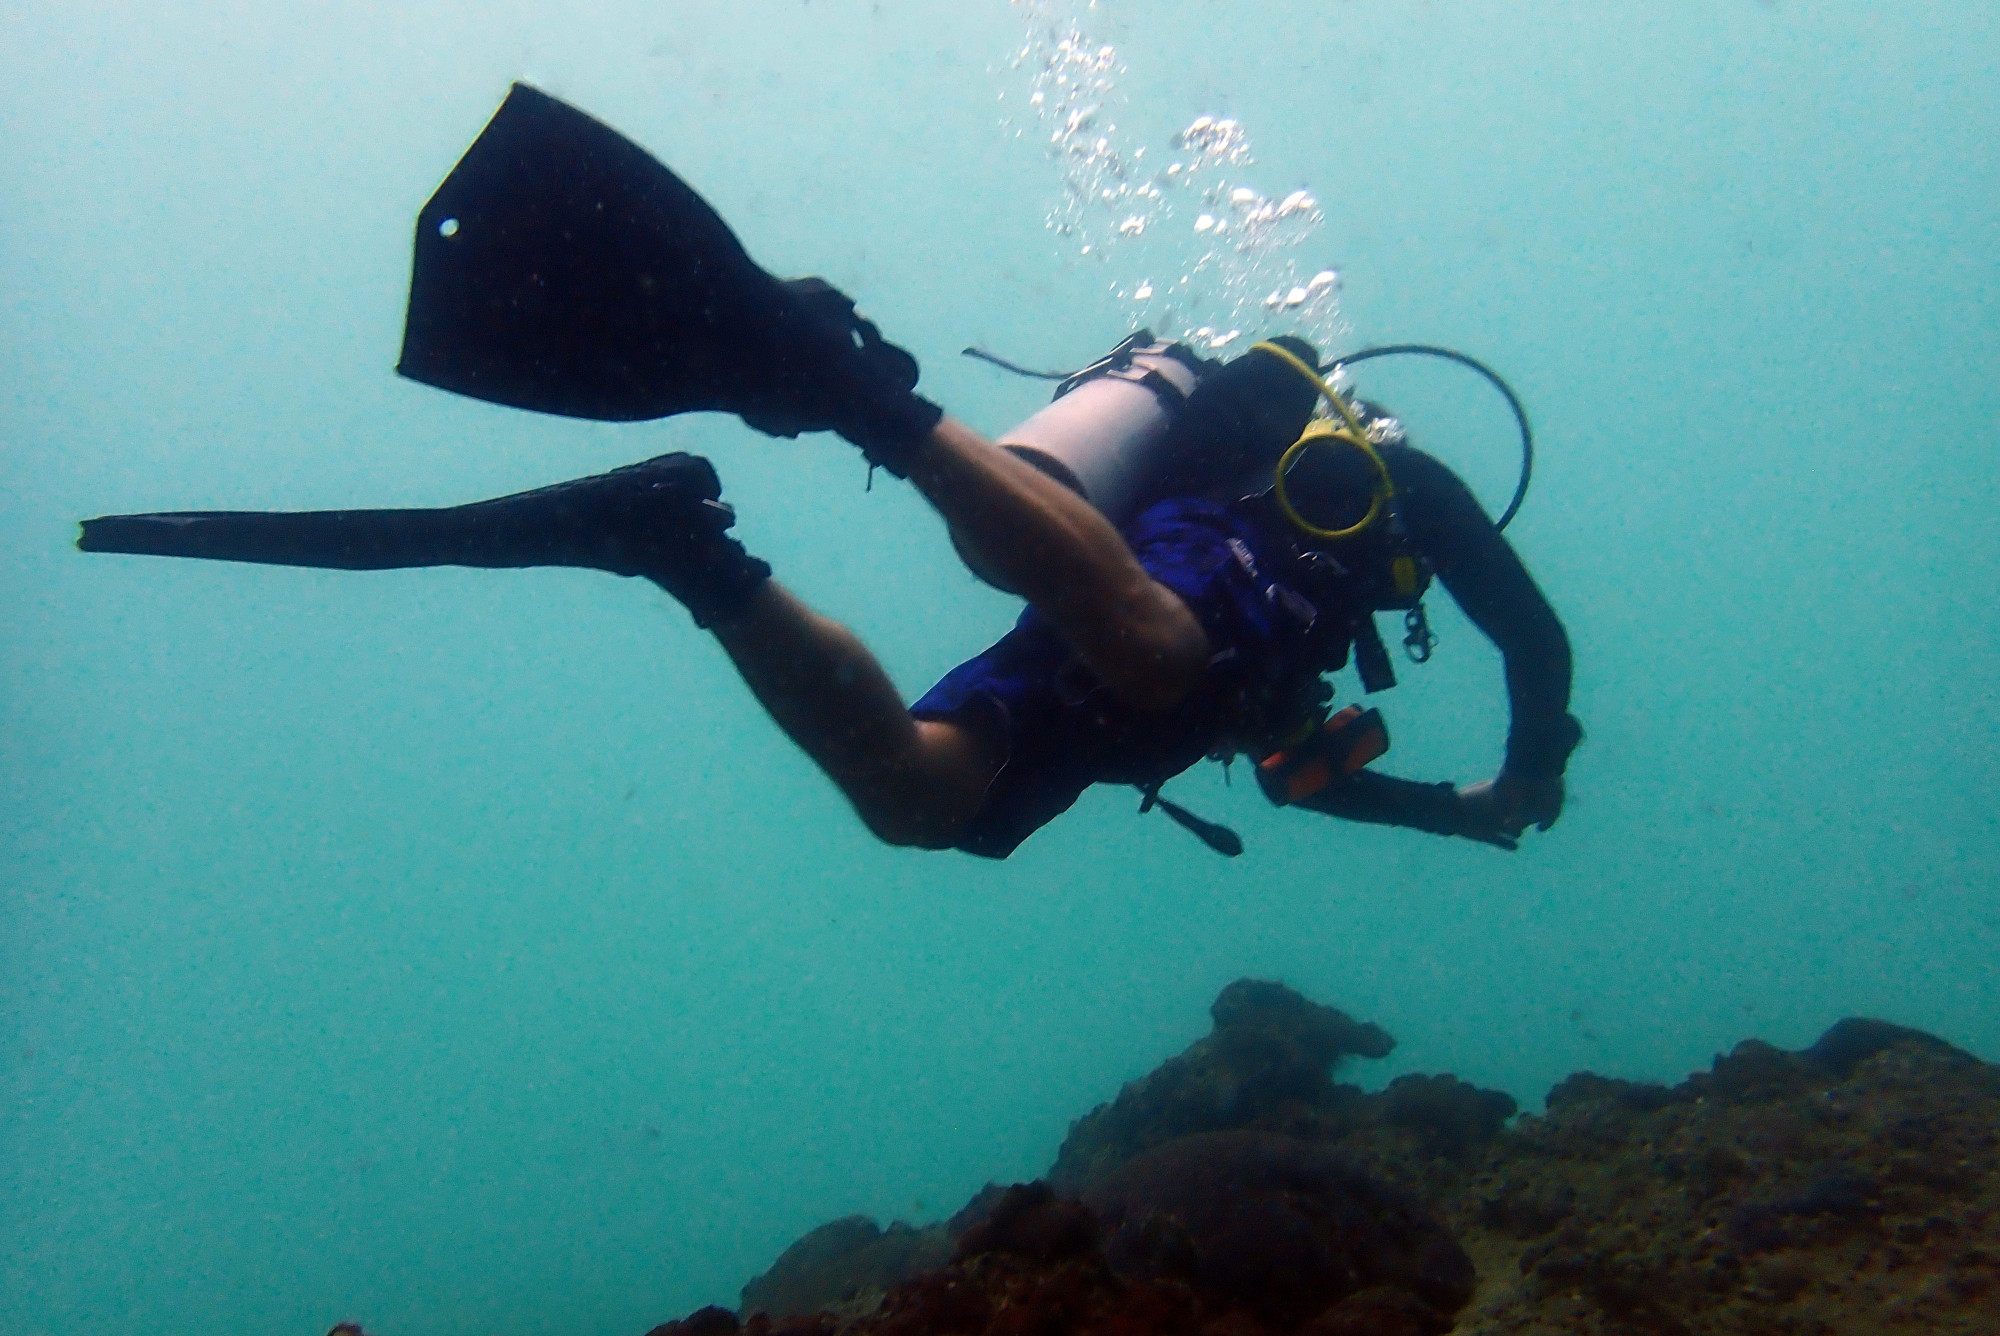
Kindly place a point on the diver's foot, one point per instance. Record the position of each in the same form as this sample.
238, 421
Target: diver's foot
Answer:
825, 368
662, 519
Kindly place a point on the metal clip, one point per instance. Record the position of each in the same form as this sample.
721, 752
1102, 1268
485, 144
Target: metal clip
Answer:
1418, 642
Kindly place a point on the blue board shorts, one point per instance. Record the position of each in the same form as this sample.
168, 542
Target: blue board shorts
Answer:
1061, 731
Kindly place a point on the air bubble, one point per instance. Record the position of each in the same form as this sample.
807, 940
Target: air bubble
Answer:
1113, 205
448, 228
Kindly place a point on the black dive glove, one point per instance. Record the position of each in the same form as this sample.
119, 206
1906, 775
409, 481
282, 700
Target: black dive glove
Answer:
821, 367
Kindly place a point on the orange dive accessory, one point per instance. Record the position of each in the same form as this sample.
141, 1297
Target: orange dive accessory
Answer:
1334, 750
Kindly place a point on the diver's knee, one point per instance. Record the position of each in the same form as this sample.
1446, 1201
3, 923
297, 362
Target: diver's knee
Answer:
902, 825
915, 811
925, 797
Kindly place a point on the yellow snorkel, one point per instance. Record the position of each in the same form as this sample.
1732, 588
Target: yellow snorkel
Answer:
1353, 433
1402, 567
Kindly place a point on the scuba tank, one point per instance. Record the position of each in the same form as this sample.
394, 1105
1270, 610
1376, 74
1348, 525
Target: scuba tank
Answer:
1105, 433
1110, 446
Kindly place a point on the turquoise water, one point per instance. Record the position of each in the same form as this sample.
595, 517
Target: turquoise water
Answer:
463, 952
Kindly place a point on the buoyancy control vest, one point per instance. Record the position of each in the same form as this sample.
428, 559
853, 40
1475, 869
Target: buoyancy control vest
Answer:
1110, 434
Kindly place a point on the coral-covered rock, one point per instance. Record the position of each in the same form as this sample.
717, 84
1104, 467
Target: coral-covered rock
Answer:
1454, 1119
1278, 1227
1383, 1311
843, 1262
1029, 1220
1851, 1187
1853, 1041
1271, 1055
702, 1322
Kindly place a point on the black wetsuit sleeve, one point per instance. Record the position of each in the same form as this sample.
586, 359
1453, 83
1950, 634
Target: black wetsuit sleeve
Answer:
1385, 800
1479, 569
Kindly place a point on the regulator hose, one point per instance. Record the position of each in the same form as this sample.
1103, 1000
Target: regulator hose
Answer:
1492, 377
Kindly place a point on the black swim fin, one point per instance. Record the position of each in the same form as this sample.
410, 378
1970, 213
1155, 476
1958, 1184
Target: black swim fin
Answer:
561, 268
663, 519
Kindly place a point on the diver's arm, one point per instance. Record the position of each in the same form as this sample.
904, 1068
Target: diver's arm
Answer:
1327, 772
1044, 540
1385, 800
1480, 570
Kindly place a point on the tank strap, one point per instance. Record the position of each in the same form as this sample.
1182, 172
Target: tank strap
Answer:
1121, 363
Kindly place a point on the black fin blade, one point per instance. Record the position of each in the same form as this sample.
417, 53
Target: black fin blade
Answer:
338, 540
330, 539
561, 268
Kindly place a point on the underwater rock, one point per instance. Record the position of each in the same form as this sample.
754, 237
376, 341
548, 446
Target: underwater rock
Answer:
847, 1261
1849, 1187
702, 1322
1198, 1195
1029, 1220
1269, 1059
1855, 1040
1275, 1226
1455, 1119
1278, 1238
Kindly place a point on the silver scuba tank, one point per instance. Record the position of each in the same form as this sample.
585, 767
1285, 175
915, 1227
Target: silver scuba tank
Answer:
1105, 433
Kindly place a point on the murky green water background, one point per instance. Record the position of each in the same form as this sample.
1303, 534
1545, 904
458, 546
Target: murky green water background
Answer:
463, 952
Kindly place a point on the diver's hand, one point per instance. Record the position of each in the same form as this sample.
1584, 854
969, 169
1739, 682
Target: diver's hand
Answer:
1476, 816
1499, 810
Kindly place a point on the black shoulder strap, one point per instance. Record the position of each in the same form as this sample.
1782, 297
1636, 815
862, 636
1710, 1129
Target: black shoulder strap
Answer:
1371, 659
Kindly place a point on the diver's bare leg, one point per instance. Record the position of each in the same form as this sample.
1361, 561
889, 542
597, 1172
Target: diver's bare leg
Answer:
1040, 538
912, 781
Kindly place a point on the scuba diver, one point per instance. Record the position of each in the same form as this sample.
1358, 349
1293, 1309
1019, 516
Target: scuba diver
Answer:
1197, 548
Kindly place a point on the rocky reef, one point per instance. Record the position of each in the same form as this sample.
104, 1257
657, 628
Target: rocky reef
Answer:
1239, 1190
